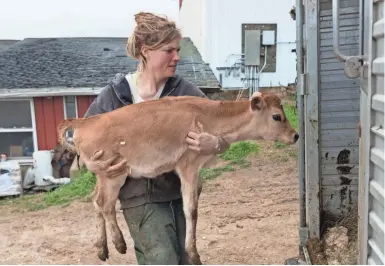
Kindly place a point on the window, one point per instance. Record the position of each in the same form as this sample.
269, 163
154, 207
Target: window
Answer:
70, 110
16, 128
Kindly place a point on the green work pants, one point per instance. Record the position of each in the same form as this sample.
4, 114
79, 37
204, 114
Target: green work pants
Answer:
158, 231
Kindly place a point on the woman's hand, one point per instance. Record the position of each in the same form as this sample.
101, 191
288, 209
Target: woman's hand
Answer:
205, 143
109, 167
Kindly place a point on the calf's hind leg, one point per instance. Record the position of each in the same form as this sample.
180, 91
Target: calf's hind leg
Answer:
110, 178
101, 242
189, 176
110, 192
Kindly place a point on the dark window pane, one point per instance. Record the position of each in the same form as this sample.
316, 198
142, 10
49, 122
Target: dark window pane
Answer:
16, 144
15, 114
70, 99
70, 106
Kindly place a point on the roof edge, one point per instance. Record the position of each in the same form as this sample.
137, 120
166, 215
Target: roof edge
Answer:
46, 92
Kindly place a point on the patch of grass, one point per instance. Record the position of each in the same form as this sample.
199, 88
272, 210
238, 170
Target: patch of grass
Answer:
79, 188
235, 157
286, 149
241, 163
280, 145
211, 173
291, 114
239, 151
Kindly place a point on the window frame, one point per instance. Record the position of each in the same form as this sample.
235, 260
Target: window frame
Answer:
27, 159
65, 109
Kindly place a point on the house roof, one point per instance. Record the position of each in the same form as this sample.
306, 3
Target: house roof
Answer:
73, 63
4, 44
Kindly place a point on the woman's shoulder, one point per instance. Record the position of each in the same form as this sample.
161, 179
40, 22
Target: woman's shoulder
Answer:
109, 97
186, 87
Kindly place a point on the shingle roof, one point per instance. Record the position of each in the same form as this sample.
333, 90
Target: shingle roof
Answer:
4, 44
84, 62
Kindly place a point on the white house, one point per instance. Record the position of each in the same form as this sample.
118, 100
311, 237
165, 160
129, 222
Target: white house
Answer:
217, 28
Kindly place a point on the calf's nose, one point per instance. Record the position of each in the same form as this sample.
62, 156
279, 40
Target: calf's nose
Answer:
296, 137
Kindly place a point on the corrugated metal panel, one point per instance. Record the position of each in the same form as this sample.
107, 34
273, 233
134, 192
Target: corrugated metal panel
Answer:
339, 111
49, 112
371, 203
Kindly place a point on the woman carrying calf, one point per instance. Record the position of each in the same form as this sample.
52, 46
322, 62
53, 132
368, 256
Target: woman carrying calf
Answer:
153, 208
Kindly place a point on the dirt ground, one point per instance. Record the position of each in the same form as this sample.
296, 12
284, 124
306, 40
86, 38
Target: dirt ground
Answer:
245, 217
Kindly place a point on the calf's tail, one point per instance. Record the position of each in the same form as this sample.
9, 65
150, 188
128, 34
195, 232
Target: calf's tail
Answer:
62, 129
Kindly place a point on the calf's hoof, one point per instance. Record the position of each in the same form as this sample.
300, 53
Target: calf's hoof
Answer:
194, 259
121, 247
103, 253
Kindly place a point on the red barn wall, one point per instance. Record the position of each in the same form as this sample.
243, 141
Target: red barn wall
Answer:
49, 112
83, 102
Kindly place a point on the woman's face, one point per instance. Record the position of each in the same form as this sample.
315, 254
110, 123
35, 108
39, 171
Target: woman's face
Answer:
164, 60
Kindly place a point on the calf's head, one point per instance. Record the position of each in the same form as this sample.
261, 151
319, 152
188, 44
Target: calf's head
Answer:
270, 118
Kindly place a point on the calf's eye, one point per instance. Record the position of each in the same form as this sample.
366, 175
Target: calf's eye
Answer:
277, 117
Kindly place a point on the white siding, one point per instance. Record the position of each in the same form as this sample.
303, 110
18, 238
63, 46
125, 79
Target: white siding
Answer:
191, 21
221, 34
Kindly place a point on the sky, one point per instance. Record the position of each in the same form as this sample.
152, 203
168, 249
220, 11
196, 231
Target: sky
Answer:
21, 19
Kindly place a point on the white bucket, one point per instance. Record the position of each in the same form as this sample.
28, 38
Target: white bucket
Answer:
42, 167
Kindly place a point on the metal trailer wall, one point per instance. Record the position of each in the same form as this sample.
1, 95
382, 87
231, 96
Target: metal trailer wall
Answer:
309, 88
339, 106
371, 193
339, 159
331, 105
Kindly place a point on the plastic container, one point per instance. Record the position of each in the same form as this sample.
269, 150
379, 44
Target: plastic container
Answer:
42, 167
10, 178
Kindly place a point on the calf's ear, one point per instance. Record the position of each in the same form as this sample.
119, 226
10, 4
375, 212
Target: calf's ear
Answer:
257, 101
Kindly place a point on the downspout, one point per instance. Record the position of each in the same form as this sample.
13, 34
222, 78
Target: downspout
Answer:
301, 88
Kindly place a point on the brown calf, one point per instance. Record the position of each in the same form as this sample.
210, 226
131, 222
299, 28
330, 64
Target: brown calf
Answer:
150, 139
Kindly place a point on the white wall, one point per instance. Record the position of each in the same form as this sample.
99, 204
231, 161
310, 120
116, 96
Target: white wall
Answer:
221, 35
191, 21
71, 18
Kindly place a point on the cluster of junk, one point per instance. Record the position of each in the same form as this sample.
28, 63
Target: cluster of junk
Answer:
49, 170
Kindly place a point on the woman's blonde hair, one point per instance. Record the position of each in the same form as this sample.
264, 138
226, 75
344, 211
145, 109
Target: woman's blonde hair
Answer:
151, 31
